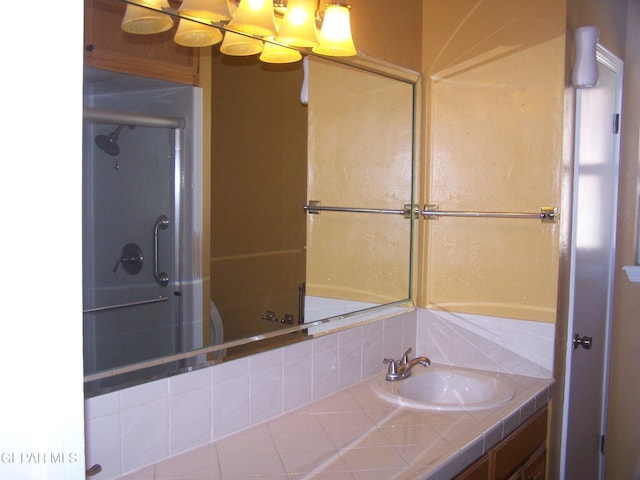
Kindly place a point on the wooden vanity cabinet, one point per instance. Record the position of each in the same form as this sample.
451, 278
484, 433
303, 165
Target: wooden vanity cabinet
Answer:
520, 456
108, 47
478, 471
535, 468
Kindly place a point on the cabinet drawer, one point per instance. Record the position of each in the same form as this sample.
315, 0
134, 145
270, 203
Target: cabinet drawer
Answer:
478, 471
516, 449
535, 468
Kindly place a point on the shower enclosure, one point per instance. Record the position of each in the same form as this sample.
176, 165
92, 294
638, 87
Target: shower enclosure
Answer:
142, 291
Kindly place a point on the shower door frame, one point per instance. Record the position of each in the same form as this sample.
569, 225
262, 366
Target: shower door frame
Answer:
174, 313
150, 102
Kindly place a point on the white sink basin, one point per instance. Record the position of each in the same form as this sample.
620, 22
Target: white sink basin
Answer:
443, 388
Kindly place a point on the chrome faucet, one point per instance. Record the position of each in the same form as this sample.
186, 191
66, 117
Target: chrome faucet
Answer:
401, 369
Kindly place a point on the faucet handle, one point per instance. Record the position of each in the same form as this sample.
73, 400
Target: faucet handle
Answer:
405, 357
392, 373
393, 366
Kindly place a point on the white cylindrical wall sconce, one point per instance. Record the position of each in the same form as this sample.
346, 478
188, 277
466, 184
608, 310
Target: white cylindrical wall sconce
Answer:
304, 90
585, 69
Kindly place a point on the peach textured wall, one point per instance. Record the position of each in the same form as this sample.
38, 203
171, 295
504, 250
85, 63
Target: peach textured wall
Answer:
387, 30
360, 155
393, 36
494, 79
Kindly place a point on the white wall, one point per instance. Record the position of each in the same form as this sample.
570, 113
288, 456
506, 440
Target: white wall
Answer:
41, 342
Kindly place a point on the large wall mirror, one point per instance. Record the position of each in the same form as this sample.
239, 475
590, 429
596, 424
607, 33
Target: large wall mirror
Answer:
304, 207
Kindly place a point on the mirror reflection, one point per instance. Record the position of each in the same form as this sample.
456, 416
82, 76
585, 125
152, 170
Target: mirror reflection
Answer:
294, 225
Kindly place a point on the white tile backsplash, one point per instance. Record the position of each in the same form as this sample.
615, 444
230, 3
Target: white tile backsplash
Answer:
231, 370
145, 434
103, 405
129, 429
230, 406
189, 382
132, 428
189, 420
105, 448
372, 348
488, 343
266, 394
349, 357
144, 394
325, 370
296, 382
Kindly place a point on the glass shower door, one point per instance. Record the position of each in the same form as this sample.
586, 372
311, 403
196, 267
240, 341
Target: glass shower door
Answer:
130, 209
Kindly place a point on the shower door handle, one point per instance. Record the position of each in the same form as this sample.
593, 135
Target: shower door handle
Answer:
161, 277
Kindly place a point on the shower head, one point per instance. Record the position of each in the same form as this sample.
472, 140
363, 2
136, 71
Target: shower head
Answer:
109, 143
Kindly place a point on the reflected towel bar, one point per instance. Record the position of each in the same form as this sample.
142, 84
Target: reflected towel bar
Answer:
546, 214
314, 207
124, 305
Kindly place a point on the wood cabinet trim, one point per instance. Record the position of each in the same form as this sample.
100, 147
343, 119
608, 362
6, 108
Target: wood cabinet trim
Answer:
520, 456
518, 447
107, 47
479, 470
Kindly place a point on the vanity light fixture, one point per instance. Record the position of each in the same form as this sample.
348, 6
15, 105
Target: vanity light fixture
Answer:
278, 23
274, 53
213, 10
298, 27
237, 45
255, 17
146, 21
335, 35
194, 33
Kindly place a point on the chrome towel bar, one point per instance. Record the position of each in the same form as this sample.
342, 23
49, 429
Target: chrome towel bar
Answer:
546, 214
432, 212
124, 305
314, 207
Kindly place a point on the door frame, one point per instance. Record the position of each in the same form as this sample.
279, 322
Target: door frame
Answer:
607, 59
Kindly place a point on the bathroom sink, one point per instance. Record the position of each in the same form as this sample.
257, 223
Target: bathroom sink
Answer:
445, 388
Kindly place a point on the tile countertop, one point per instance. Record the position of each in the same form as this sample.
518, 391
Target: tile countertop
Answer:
355, 435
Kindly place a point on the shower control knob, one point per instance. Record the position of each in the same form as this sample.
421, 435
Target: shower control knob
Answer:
131, 259
163, 279
584, 342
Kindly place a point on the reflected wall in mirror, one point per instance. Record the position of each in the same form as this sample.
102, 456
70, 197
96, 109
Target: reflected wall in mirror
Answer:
360, 156
277, 273
258, 188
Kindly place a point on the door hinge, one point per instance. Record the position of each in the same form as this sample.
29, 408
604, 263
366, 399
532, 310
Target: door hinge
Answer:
602, 444
616, 123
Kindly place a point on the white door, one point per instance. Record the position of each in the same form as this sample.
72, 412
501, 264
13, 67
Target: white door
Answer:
592, 270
